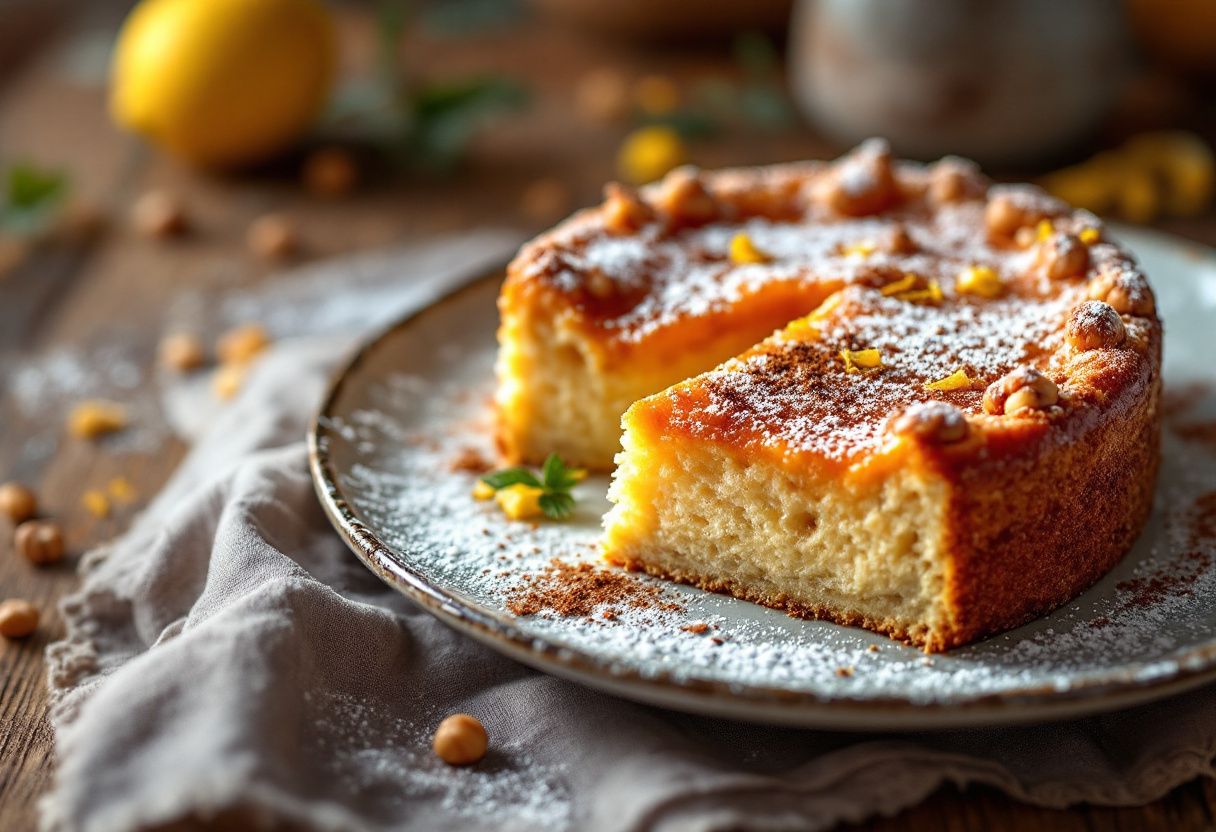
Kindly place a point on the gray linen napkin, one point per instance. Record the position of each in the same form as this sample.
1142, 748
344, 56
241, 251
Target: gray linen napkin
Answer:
228, 660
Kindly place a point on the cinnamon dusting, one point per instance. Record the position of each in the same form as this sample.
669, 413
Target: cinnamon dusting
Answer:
582, 590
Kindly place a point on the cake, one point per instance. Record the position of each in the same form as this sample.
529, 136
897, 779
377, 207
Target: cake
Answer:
954, 428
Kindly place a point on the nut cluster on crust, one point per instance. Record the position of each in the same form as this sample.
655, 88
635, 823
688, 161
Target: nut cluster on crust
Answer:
1014, 207
1021, 389
1094, 325
867, 181
684, 200
1065, 256
624, 209
1124, 288
936, 422
953, 179
861, 183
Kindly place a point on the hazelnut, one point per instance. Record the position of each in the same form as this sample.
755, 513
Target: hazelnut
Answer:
17, 502
1021, 389
182, 351
936, 422
18, 618
862, 182
656, 95
953, 179
241, 344
272, 237
159, 214
1123, 289
899, 241
625, 211
1095, 325
39, 542
460, 740
227, 381
331, 172
92, 418
602, 96
1065, 256
1006, 214
685, 200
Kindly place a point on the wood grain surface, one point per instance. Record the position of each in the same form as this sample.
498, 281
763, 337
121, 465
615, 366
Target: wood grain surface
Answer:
91, 292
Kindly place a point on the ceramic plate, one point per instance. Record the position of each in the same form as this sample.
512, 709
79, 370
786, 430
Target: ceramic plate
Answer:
415, 400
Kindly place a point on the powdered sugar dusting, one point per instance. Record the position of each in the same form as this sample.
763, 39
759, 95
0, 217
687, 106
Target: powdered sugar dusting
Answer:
795, 393
669, 277
388, 760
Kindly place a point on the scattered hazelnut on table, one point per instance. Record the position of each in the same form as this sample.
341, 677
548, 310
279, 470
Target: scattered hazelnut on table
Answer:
330, 171
182, 351
240, 344
18, 618
656, 95
17, 502
602, 96
227, 381
92, 418
460, 740
159, 214
272, 237
39, 542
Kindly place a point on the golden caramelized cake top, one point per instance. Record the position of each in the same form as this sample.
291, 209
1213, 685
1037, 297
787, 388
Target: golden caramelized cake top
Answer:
961, 314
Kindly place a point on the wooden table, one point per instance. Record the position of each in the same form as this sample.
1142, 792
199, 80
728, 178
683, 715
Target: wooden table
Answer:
92, 292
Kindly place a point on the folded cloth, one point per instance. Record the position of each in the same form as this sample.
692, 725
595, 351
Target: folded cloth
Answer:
228, 661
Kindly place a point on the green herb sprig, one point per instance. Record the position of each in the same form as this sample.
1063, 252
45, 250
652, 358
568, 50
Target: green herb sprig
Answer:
556, 480
30, 197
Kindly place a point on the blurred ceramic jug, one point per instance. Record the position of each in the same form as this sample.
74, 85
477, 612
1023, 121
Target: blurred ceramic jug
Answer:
1001, 81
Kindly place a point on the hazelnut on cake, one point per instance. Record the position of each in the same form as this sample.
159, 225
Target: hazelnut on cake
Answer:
955, 428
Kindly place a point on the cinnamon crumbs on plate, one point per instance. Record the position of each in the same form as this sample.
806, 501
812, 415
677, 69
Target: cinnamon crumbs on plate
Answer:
580, 590
470, 461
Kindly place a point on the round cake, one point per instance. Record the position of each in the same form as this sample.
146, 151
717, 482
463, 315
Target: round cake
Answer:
954, 428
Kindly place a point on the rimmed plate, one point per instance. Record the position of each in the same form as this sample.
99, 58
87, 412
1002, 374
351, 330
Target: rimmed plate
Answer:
414, 400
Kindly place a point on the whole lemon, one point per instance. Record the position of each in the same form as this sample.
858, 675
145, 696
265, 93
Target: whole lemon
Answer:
222, 83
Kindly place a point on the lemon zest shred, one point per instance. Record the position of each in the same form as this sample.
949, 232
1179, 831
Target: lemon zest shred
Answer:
908, 281
857, 360
958, 380
743, 250
979, 280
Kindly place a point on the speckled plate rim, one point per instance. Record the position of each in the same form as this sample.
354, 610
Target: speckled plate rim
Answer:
1091, 693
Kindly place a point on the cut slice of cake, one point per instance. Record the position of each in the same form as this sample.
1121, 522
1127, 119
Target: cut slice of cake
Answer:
936, 470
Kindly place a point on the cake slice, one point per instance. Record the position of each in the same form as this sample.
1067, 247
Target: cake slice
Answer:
933, 469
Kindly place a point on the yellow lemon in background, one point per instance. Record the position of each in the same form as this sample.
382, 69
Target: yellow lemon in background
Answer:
222, 83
